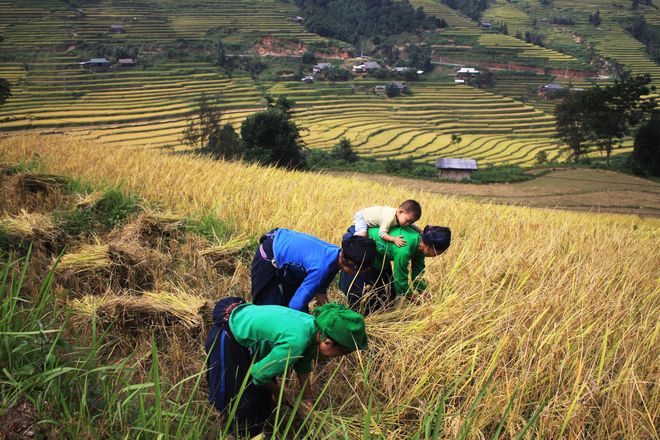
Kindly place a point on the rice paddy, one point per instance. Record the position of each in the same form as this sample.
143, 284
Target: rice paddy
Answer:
539, 322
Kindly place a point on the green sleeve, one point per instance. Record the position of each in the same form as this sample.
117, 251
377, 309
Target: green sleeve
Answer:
401, 263
282, 357
417, 271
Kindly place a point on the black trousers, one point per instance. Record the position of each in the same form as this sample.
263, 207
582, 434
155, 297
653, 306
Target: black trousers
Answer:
368, 291
270, 286
228, 365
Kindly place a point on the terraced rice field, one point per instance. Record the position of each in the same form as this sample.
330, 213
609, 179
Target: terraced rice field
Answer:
521, 48
30, 24
143, 106
610, 39
494, 128
505, 12
458, 24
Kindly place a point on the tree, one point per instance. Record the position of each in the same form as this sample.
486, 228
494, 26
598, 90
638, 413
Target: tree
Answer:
5, 91
646, 150
392, 91
272, 136
224, 143
336, 73
614, 110
541, 157
595, 18
419, 57
344, 151
200, 126
220, 53
308, 57
572, 124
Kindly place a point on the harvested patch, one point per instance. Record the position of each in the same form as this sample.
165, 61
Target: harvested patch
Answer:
152, 229
37, 182
224, 257
25, 191
143, 312
31, 227
99, 268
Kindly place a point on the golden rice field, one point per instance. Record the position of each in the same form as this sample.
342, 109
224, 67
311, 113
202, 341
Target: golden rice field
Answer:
559, 308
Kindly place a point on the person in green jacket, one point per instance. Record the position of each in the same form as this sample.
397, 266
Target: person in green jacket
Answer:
250, 346
389, 282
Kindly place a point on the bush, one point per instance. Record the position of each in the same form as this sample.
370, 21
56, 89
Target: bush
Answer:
344, 151
646, 150
308, 58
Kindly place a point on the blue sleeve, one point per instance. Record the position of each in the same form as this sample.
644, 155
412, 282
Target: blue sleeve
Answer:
310, 286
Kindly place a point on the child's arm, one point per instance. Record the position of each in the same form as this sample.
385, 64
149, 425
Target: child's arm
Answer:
399, 241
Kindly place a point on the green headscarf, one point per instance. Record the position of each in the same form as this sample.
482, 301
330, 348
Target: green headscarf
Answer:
342, 325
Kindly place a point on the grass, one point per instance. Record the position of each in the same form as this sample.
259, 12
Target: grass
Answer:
537, 323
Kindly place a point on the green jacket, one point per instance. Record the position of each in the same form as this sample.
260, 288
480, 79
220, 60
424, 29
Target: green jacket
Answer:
408, 259
280, 338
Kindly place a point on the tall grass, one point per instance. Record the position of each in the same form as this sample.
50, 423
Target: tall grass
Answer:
536, 323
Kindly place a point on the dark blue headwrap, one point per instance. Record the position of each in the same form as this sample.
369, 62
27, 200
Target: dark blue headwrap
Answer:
437, 236
360, 252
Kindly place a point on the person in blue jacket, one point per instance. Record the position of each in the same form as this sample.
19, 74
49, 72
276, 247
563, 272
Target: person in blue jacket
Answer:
290, 268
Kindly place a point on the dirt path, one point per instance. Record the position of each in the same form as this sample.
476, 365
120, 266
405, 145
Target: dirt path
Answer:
572, 189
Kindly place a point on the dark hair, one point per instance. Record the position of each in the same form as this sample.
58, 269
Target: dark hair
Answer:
359, 252
412, 206
437, 236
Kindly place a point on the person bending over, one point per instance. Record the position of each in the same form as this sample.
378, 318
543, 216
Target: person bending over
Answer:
250, 346
290, 268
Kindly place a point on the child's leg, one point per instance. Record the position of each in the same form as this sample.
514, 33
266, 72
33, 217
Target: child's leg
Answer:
361, 227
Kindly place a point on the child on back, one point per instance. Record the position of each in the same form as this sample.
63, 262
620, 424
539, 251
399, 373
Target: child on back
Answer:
385, 217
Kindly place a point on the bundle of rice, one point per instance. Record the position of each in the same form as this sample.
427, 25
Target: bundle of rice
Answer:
142, 311
152, 228
224, 257
37, 182
86, 201
27, 226
98, 268
89, 258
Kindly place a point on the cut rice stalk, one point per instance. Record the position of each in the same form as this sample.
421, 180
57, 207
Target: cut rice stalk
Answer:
29, 226
89, 258
140, 311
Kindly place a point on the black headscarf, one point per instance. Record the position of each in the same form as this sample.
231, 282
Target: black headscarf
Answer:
437, 236
360, 252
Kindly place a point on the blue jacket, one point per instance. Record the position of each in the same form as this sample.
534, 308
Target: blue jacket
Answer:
308, 260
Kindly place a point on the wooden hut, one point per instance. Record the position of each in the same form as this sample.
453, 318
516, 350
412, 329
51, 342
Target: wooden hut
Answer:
455, 169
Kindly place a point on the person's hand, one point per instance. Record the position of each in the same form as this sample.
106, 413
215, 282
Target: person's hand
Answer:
399, 241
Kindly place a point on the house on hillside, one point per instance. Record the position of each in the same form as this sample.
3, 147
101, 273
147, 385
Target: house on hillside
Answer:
486, 24
308, 79
366, 67
551, 90
298, 19
95, 63
126, 62
117, 28
320, 67
379, 89
401, 70
465, 74
80, 13
455, 169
